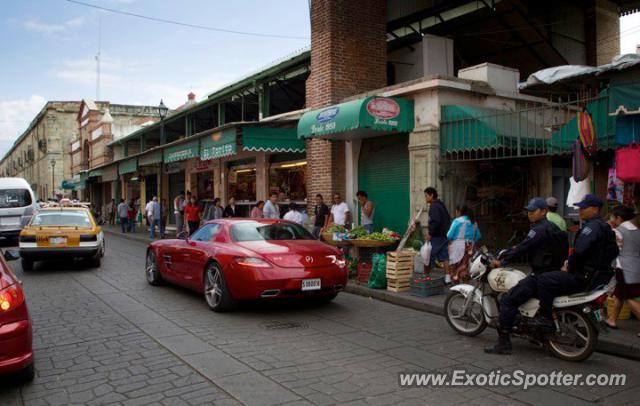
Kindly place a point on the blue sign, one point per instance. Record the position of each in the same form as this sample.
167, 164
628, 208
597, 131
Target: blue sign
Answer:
327, 114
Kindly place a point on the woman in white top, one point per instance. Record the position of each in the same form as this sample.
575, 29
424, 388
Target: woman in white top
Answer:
627, 264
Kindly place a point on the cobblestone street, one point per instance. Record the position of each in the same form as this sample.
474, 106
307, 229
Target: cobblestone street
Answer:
104, 336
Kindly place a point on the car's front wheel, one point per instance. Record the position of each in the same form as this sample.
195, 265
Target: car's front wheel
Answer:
216, 292
152, 272
27, 264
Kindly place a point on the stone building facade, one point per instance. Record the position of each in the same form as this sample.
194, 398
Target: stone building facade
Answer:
45, 140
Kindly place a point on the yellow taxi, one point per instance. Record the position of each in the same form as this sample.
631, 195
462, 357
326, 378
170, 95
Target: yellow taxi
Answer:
62, 232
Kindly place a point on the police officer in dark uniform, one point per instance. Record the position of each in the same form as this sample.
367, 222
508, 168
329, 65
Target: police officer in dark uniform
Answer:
539, 245
594, 249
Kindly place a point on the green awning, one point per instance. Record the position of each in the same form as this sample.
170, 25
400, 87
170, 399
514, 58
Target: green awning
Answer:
67, 185
604, 124
110, 173
81, 185
471, 128
218, 144
181, 152
95, 173
271, 140
128, 166
150, 158
368, 117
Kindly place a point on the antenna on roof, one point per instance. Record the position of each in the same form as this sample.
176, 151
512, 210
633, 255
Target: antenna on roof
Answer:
98, 58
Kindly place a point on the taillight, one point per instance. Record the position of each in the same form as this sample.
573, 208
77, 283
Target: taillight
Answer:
600, 300
10, 298
27, 238
88, 237
253, 262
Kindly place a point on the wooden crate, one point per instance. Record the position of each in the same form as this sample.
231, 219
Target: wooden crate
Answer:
400, 263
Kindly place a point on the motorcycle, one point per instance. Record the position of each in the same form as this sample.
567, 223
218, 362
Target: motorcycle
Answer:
577, 319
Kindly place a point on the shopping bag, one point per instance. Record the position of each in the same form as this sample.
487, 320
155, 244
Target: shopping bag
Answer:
378, 275
580, 162
425, 253
628, 163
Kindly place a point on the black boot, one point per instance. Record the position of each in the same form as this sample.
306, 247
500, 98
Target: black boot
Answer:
503, 346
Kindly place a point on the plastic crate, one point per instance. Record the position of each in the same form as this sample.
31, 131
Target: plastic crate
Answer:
364, 270
424, 286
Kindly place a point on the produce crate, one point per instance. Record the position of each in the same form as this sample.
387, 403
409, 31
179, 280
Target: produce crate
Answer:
364, 270
425, 286
399, 270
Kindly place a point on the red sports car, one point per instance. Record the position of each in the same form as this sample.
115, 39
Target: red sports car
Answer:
239, 259
16, 353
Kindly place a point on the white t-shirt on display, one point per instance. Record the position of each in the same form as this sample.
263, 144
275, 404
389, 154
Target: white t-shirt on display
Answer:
339, 212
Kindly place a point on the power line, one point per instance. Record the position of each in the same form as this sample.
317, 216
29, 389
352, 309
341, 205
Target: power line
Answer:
197, 26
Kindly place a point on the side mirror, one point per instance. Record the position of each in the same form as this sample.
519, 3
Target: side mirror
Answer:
182, 235
11, 255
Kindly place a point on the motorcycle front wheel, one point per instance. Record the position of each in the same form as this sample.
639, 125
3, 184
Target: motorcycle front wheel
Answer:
470, 324
577, 338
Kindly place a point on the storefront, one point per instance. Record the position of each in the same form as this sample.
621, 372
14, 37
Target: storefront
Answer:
130, 180
377, 152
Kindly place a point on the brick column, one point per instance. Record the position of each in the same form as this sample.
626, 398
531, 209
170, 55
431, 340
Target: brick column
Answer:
348, 57
602, 31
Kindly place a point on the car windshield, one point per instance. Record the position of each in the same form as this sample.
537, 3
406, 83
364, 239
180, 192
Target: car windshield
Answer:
11, 198
63, 218
255, 231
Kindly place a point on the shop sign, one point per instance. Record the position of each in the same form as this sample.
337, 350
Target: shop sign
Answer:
202, 166
383, 108
327, 114
217, 151
173, 167
180, 155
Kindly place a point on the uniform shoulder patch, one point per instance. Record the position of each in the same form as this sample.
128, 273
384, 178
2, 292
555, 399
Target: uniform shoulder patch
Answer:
532, 233
587, 230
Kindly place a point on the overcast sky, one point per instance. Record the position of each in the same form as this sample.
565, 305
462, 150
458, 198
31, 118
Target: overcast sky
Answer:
48, 50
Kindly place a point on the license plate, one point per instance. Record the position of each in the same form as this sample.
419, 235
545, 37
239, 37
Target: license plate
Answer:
8, 221
311, 284
598, 315
57, 240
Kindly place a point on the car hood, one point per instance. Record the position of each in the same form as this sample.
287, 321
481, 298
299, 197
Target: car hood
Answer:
293, 254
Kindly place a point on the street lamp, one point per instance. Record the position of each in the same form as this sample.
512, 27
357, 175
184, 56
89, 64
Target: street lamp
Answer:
53, 178
162, 113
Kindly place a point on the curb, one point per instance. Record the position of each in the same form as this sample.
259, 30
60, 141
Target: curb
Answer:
128, 236
435, 307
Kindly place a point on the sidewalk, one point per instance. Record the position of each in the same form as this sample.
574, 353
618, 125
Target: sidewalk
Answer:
622, 342
141, 234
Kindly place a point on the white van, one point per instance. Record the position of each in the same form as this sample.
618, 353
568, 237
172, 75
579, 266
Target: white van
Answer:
17, 205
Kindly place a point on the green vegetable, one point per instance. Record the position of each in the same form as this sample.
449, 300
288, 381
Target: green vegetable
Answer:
335, 228
359, 232
377, 237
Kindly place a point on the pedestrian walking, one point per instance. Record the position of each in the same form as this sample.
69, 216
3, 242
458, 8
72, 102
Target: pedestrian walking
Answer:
367, 210
131, 216
123, 214
178, 211
112, 212
463, 234
439, 223
218, 210
321, 214
294, 214
192, 214
552, 214
153, 216
230, 210
256, 212
627, 265
271, 209
164, 215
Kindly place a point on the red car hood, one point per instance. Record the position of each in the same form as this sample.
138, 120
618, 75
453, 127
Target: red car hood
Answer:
293, 254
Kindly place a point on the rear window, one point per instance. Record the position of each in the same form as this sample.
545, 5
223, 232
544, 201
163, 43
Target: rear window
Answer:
254, 231
12, 198
63, 218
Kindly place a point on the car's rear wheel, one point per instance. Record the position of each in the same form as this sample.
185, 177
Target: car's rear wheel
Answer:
152, 271
27, 264
216, 293
96, 261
